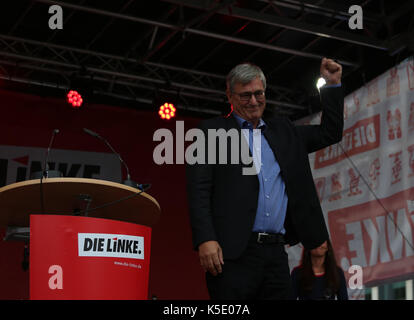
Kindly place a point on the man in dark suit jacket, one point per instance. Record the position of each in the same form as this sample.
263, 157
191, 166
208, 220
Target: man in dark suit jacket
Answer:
241, 222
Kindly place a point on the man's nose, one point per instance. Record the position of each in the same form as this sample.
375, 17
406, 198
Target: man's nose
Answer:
253, 100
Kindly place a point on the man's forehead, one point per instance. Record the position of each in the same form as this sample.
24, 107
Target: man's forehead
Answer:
254, 83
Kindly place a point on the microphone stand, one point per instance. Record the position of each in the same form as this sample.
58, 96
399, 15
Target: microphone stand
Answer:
128, 182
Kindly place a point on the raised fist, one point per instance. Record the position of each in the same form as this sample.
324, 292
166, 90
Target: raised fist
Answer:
331, 71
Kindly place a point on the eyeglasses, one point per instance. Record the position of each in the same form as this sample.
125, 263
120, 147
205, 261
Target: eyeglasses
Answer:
246, 96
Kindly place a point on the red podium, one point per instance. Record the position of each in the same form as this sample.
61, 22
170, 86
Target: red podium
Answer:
92, 241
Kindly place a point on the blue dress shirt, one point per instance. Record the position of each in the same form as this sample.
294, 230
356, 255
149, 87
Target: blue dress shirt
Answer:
272, 201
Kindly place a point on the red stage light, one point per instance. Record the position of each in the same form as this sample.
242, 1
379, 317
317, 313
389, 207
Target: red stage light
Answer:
74, 98
167, 111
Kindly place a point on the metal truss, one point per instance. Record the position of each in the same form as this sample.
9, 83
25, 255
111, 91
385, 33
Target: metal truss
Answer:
290, 24
117, 74
190, 30
140, 77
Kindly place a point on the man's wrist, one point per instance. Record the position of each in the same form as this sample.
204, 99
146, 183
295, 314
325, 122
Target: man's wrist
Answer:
332, 85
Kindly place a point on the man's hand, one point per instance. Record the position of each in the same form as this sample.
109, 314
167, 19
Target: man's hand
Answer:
331, 71
211, 257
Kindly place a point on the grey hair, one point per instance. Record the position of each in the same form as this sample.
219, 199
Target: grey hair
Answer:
244, 73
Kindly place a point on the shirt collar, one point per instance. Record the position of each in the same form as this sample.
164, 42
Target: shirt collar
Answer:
247, 124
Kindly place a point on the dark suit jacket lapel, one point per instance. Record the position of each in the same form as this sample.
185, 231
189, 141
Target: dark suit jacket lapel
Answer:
232, 123
274, 136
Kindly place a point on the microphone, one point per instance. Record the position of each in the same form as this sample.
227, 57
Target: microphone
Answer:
45, 172
128, 180
46, 164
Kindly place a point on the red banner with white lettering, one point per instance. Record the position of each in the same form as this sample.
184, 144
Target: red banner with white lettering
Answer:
81, 258
376, 236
